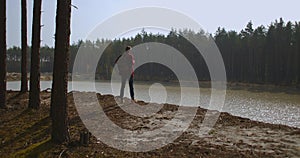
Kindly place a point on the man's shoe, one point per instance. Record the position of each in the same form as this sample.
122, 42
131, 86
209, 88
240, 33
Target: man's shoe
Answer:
133, 101
119, 100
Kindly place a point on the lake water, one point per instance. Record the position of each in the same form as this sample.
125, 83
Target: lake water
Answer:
271, 107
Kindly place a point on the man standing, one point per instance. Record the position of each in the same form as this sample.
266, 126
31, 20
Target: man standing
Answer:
125, 64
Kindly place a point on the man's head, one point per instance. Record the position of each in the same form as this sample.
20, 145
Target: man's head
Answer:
128, 48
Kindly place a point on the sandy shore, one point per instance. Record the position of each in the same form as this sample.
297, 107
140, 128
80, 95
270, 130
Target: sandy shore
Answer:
17, 76
26, 132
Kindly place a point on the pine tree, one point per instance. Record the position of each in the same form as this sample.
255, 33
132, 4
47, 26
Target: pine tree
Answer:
2, 53
59, 113
34, 94
24, 83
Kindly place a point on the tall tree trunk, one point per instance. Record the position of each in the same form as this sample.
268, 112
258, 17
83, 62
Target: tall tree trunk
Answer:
34, 94
2, 53
24, 83
59, 104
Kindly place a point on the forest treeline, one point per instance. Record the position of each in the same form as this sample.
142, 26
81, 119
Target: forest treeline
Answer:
254, 55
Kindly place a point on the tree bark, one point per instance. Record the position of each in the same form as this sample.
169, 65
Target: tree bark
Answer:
59, 104
24, 83
34, 94
2, 53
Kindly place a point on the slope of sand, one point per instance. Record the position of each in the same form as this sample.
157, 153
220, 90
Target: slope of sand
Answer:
27, 133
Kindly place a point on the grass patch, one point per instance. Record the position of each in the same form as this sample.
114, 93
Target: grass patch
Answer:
35, 150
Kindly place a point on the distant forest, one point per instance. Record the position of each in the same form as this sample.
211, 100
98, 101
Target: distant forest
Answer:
254, 55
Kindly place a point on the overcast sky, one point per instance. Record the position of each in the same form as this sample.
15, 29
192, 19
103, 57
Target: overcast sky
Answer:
210, 14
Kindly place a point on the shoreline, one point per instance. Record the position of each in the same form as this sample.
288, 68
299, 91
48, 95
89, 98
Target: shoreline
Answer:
231, 136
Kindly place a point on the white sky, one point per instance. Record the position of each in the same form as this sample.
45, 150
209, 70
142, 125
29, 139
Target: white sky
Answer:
210, 14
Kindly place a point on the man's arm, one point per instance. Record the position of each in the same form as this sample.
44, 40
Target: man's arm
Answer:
118, 59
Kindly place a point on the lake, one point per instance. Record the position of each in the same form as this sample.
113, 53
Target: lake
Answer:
265, 106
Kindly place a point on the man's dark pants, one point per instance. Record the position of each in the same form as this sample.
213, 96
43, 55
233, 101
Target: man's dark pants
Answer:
124, 79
